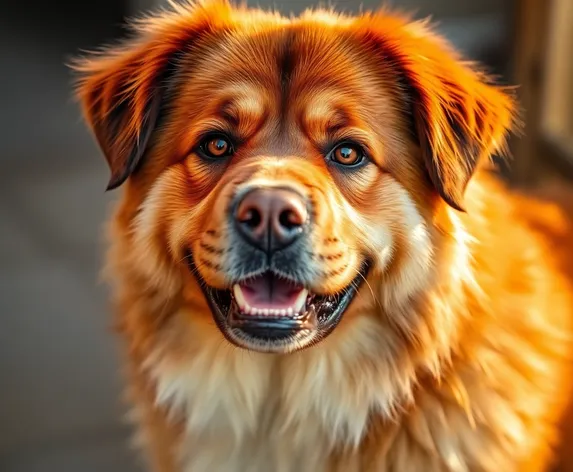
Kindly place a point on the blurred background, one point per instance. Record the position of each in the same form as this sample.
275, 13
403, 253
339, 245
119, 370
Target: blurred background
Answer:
60, 407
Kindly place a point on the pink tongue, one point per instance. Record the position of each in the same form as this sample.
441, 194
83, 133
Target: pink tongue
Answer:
270, 293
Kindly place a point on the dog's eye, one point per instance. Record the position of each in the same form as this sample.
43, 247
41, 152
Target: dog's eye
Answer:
217, 146
347, 154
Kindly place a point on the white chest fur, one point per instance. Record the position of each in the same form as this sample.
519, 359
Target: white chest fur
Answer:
258, 412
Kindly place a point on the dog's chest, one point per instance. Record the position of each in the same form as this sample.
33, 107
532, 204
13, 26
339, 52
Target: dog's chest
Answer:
258, 412
237, 418
241, 413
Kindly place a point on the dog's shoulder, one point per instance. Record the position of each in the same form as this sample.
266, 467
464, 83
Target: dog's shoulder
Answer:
514, 360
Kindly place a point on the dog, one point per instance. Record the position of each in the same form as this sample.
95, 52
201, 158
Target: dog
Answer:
314, 265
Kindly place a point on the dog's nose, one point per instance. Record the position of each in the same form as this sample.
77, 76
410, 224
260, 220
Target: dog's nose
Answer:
271, 218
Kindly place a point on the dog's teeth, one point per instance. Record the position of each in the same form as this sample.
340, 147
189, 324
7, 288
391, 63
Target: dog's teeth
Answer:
298, 305
294, 310
240, 298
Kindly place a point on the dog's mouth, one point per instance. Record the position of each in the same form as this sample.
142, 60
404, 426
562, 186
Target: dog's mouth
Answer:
267, 313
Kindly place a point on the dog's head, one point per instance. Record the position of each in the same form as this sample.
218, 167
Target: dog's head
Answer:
277, 164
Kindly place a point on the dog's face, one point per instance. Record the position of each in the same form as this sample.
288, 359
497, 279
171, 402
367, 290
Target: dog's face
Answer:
280, 167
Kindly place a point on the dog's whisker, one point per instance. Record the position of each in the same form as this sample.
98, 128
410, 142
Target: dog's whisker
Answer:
187, 256
359, 273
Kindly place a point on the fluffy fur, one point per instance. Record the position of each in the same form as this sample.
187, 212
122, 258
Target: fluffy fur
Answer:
455, 354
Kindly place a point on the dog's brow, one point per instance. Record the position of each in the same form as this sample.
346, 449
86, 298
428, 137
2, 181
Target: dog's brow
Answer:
324, 117
338, 120
244, 112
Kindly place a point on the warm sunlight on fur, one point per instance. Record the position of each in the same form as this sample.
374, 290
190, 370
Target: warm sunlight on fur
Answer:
313, 268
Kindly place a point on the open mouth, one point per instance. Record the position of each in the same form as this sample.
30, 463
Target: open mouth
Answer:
267, 307
270, 314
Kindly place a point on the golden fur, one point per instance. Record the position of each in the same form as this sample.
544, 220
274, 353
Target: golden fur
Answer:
455, 354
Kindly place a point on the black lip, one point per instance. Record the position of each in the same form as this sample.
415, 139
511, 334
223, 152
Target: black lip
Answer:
237, 320
279, 328
321, 321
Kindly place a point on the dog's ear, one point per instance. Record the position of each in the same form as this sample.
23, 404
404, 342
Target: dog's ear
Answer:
121, 89
457, 115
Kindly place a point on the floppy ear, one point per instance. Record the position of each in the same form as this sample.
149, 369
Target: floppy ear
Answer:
122, 89
458, 116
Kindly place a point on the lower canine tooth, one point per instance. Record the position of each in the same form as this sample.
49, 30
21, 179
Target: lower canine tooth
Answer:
239, 297
298, 305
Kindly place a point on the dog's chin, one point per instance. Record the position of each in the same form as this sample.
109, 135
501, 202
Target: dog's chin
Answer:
269, 314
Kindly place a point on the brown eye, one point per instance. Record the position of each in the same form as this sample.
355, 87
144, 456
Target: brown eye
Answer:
217, 146
347, 154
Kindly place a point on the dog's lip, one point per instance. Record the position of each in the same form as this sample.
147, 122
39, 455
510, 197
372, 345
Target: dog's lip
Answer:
321, 316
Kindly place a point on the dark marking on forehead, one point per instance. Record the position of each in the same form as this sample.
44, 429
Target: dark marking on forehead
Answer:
286, 61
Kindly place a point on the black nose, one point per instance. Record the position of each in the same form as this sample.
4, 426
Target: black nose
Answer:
271, 218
